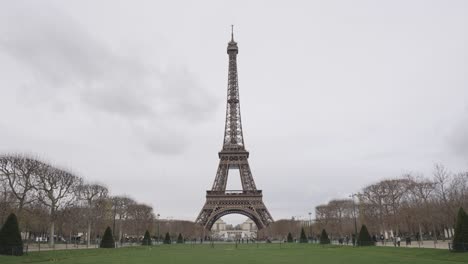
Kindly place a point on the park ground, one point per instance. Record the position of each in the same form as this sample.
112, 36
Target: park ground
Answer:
243, 253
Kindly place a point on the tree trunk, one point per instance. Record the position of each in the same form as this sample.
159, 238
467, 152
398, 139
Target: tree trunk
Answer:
120, 231
434, 232
420, 239
88, 234
51, 233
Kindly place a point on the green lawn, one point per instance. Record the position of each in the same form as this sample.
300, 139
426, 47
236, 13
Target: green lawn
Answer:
265, 253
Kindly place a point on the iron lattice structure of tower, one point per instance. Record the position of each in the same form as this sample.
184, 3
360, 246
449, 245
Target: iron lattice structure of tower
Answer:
219, 201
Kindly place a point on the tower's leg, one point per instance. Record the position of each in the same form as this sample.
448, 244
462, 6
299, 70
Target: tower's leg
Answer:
221, 176
247, 180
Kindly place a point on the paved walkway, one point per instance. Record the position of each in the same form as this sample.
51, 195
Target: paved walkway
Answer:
414, 244
45, 247
424, 244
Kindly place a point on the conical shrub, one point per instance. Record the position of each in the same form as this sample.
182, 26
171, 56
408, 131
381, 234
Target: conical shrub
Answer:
10, 237
167, 239
465, 233
364, 238
303, 238
107, 240
324, 238
146, 239
460, 238
290, 238
180, 239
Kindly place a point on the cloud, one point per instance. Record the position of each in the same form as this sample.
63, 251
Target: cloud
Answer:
67, 66
164, 143
458, 141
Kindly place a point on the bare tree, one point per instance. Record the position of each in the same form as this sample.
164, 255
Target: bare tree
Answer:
458, 190
57, 190
90, 194
336, 217
6, 200
141, 217
121, 205
421, 190
394, 191
443, 181
20, 173
381, 203
280, 229
342, 212
372, 200
322, 215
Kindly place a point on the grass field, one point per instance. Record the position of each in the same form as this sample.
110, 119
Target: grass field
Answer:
265, 253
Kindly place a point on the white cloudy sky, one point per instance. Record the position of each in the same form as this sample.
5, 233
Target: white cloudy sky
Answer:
334, 94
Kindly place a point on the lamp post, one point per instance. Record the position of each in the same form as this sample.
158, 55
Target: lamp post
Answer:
355, 221
169, 221
157, 220
115, 214
310, 224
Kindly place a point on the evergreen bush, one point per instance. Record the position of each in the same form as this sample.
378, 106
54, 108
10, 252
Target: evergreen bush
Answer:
364, 238
324, 238
167, 239
290, 238
107, 240
10, 237
146, 239
180, 239
460, 238
303, 238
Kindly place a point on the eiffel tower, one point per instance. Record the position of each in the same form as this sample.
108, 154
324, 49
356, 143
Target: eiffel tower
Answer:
219, 201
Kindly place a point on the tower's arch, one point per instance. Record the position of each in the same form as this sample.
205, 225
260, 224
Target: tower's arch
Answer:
227, 211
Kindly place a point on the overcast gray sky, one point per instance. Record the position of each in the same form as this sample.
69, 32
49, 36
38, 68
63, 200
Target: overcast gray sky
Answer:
334, 94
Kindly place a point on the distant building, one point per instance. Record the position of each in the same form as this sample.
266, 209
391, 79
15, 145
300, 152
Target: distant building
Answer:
219, 225
246, 230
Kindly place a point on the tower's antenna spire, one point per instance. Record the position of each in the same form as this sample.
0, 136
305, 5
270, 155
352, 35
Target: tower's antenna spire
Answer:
232, 33
232, 45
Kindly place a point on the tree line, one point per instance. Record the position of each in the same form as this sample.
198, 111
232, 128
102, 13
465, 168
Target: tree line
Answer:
56, 204
412, 205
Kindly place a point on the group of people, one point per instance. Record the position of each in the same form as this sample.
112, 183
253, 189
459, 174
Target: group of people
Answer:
344, 240
396, 240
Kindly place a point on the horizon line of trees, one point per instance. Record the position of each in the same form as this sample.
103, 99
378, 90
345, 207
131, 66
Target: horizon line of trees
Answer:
412, 205
54, 203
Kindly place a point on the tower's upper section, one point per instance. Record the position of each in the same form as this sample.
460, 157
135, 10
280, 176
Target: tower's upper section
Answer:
232, 45
233, 136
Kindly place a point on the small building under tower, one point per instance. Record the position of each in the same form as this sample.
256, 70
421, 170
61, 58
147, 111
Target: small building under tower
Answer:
225, 232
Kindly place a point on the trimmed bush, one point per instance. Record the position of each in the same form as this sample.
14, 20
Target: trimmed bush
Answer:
364, 238
10, 237
465, 232
180, 239
460, 238
167, 239
290, 238
324, 238
303, 238
146, 239
107, 239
